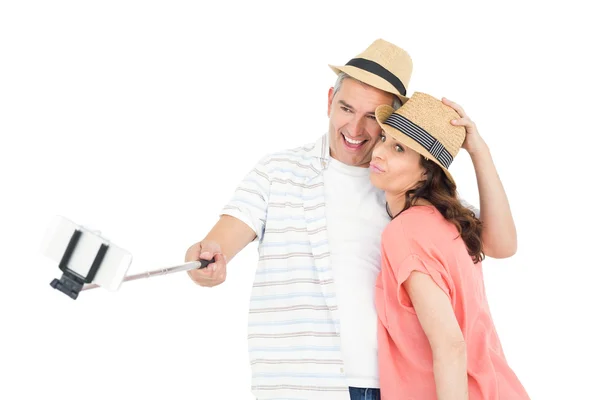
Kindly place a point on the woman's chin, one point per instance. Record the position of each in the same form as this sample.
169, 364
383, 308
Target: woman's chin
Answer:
376, 181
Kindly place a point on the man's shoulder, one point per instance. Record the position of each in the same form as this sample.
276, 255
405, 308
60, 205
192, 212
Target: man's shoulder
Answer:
303, 155
293, 153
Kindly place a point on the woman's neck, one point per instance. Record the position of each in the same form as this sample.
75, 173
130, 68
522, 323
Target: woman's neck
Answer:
397, 202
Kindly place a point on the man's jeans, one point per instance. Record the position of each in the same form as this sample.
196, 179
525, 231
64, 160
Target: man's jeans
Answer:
364, 394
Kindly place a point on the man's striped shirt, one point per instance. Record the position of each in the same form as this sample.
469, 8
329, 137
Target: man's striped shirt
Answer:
293, 329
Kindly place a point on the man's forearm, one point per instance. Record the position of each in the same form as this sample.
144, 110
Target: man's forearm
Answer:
499, 232
231, 234
227, 238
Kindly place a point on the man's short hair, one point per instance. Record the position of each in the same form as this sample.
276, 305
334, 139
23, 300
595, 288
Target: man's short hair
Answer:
396, 103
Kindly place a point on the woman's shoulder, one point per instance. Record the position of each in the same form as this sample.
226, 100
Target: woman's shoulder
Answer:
418, 231
417, 220
421, 227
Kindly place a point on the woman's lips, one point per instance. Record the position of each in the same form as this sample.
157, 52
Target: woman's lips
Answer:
375, 168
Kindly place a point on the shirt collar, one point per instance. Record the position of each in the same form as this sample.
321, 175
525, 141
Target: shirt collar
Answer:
320, 151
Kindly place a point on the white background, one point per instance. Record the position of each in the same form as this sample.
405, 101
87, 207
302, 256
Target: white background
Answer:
140, 118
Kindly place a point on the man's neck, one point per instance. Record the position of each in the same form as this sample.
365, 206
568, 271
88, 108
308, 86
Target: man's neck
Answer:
333, 157
349, 169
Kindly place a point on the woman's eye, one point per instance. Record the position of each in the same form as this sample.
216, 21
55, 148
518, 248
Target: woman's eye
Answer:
382, 137
399, 148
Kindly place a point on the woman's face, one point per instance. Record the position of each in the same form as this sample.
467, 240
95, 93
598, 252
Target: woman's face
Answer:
395, 168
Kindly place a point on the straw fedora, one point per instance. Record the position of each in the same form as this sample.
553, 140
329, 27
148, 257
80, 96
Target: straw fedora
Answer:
423, 124
382, 65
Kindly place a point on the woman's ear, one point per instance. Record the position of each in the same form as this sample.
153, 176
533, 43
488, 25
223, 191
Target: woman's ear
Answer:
423, 173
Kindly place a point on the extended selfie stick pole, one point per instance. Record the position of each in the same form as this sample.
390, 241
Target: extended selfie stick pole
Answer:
163, 271
88, 260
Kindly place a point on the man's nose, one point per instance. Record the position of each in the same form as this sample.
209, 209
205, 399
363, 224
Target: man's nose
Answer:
356, 126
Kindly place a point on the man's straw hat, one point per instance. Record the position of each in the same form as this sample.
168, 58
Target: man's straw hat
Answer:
382, 65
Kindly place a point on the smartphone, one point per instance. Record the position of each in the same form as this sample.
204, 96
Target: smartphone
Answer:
85, 255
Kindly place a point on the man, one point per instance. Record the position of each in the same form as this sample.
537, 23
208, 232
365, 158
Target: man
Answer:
318, 223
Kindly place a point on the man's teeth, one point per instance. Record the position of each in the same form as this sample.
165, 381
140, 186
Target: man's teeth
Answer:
353, 141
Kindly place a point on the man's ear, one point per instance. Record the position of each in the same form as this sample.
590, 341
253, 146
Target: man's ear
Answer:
329, 101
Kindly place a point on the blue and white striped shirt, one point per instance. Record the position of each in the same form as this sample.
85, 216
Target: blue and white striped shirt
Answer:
293, 329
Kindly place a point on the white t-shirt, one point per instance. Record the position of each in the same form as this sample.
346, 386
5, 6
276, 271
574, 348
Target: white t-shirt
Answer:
356, 217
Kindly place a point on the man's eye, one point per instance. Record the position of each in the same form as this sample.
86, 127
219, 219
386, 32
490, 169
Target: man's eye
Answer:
345, 109
399, 148
371, 117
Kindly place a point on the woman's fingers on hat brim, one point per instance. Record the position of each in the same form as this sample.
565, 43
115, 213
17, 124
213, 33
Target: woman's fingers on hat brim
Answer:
466, 122
456, 107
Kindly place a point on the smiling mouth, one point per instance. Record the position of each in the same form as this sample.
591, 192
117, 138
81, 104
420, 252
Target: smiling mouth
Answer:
353, 144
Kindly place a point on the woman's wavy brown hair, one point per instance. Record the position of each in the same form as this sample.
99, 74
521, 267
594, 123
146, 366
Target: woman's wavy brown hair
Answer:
441, 193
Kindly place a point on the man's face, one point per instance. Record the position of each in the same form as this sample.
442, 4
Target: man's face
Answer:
353, 130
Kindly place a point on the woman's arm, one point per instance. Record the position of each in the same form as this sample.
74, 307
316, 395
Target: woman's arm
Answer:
499, 233
437, 318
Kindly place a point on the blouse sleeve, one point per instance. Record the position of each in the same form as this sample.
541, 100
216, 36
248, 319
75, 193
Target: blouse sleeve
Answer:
408, 247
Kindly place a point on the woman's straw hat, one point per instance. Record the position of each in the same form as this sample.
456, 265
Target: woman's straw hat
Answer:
423, 124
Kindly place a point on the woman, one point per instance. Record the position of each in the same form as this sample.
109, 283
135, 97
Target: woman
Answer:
436, 335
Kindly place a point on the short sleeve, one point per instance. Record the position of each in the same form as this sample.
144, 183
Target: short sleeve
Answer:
250, 200
429, 267
408, 247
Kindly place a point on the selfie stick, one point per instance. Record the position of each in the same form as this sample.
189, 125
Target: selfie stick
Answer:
158, 272
88, 260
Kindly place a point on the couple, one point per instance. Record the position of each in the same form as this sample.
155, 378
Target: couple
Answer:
369, 281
